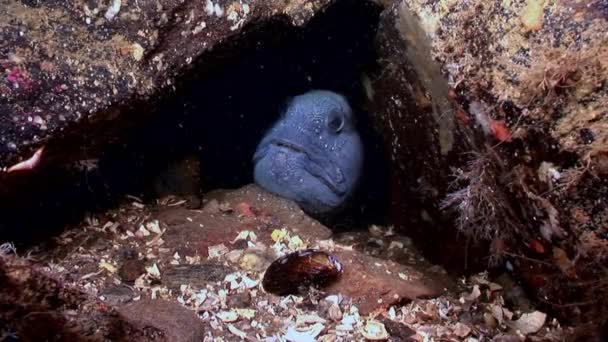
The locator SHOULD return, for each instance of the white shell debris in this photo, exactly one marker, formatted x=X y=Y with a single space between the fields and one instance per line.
x=107 y=266
x=374 y=331
x=217 y=251
x=211 y=9
x=154 y=227
x=302 y=320
x=349 y=320
x=143 y=231
x=335 y=313
x=304 y=334
x=153 y=271
x=335 y=299
x=137 y=51
x=240 y=281
x=530 y=323
x=246 y=313
x=201 y=26
x=243 y=235
x=236 y=331
x=113 y=9
x=228 y=316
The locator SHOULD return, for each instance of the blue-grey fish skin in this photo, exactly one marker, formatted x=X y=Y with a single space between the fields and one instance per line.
x=313 y=154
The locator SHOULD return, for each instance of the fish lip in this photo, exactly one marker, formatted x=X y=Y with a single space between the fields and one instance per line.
x=289 y=145
x=325 y=179
x=263 y=150
x=259 y=154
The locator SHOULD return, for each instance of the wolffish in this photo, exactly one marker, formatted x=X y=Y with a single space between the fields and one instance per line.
x=313 y=154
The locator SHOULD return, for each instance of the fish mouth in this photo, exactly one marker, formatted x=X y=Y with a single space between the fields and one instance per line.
x=263 y=149
x=288 y=145
x=314 y=166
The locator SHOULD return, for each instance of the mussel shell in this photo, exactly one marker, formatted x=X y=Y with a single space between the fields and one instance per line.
x=302 y=269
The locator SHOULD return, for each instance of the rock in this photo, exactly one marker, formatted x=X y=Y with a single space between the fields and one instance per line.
x=109 y=81
x=490 y=320
x=462 y=330
x=281 y=210
x=398 y=331
x=374 y=331
x=164 y=321
x=372 y=283
x=44 y=89
x=514 y=294
x=529 y=323
x=38 y=293
x=334 y=312
x=132 y=269
x=460 y=110
x=239 y=300
x=70 y=77
x=115 y=295
x=254 y=261
x=197 y=276
x=193 y=232
x=402 y=95
x=507 y=338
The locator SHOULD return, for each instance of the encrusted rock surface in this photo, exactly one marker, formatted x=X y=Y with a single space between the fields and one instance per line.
x=496 y=116
x=493 y=115
x=213 y=265
x=161 y=320
x=68 y=67
x=370 y=282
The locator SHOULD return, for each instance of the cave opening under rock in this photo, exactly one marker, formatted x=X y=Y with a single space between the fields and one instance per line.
x=428 y=128
x=201 y=136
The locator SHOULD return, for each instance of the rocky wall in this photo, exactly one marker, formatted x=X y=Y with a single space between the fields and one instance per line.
x=495 y=115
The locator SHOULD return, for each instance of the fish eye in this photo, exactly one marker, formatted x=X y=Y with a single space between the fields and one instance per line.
x=335 y=122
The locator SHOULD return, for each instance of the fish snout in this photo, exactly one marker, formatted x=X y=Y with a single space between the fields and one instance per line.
x=317 y=164
x=304 y=173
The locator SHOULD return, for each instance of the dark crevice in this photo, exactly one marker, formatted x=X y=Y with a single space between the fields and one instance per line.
x=216 y=115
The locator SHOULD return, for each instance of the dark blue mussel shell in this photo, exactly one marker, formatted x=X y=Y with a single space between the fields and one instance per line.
x=300 y=270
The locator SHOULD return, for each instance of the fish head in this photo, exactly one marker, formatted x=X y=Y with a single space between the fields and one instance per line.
x=313 y=154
